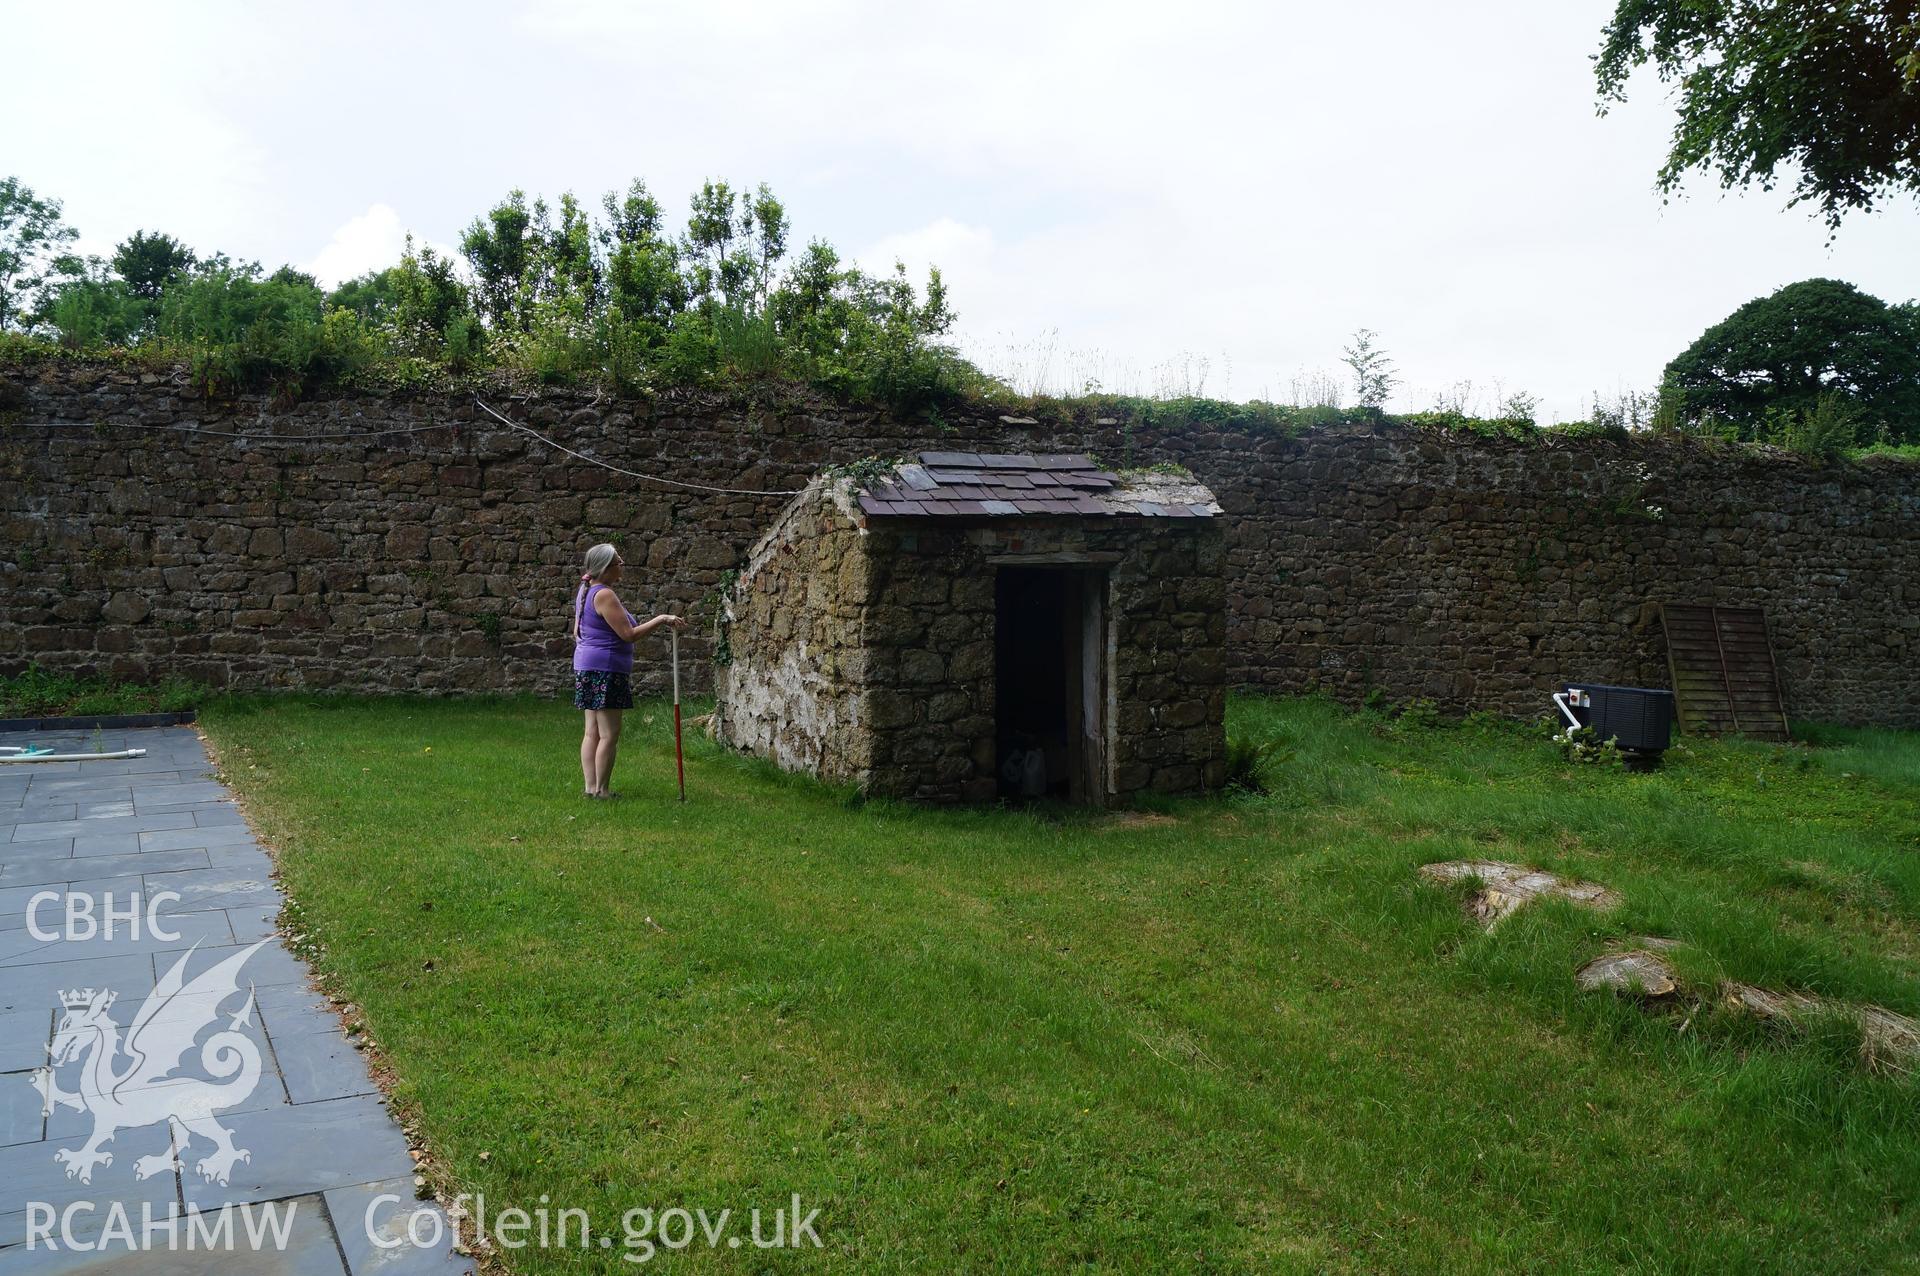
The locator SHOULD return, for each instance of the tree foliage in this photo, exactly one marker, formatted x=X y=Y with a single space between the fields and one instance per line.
x=33 y=241
x=93 y=307
x=523 y=263
x=421 y=307
x=1827 y=90
x=1809 y=357
x=241 y=329
x=550 y=290
x=148 y=263
x=1373 y=371
x=621 y=297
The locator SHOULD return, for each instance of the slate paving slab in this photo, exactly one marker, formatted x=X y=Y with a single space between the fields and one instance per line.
x=251 y=921
x=203 y=888
x=69 y=1128
x=41 y=770
x=21 y=1119
x=38 y=988
x=318 y=1136
x=51 y=848
x=246 y=855
x=88 y=845
x=309 y=1250
x=321 y=1065
x=333 y=1143
x=31 y=1175
x=123 y=768
x=100 y=809
x=378 y=1234
x=154 y=823
x=14 y=901
x=45 y=905
x=192 y=836
x=41 y=872
x=272 y=964
x=23 y=1039
x=27 y=810
x=282 y=1004
x=186 y=794
x=22 y=947
x=76 y=783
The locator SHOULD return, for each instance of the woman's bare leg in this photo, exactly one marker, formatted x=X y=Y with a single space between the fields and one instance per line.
x=608 y=747
x=590 y=752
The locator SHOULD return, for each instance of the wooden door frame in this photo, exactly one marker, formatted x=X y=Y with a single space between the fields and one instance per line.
x=1088 y=680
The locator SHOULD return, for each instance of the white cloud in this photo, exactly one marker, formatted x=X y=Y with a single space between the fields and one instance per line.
x=963 y=253
x=372 y=241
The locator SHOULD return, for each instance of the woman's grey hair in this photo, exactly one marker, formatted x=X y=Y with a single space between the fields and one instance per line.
x=599 y=558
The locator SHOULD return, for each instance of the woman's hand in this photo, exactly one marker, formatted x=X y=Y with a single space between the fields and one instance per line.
x=607 y=603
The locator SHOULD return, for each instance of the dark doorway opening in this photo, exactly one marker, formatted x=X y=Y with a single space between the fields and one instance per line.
x=1050 y=682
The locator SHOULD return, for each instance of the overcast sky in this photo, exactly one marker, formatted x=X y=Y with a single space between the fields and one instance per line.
x=1161 y=197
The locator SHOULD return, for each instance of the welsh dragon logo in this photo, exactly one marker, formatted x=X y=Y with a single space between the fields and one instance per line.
x=147 y=1088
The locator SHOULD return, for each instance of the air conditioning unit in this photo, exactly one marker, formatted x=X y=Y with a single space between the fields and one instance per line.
x=1639 y=720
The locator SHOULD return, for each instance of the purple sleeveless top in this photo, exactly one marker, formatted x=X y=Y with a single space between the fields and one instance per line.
x=599 y=649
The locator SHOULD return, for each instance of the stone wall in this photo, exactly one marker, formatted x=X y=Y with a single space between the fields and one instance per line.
x=1481 y=573
x=870 y=658
x=793 y=667
x=435 y=550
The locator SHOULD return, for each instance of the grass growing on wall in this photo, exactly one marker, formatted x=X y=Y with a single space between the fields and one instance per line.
x=1891 y=451
x=43 y=693
x=1223 y=1035
x=966 y=390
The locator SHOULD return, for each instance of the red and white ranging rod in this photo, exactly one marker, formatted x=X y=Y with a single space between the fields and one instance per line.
x=679 y=758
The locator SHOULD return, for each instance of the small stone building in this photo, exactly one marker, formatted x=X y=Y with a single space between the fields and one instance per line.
x=973 y=626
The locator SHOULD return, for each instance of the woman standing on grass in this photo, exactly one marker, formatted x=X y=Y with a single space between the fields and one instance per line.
x=603 y=634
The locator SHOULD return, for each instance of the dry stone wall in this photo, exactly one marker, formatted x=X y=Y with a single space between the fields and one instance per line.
x=793 y=666
x=435 y=550
x=929 y=673
x=871 y=658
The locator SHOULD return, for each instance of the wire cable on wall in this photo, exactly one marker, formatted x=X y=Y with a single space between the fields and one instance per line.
x=650 y=478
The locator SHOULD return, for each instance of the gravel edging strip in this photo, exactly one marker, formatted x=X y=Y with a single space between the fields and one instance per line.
x=100 y=722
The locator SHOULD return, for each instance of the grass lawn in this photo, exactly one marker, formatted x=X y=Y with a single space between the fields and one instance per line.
x=1230 y=1035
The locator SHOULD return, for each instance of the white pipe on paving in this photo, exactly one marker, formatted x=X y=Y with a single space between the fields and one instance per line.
x=11 y=753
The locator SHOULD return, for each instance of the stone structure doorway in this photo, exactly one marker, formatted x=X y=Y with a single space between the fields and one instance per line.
x=1051 y=656
x=909 y=633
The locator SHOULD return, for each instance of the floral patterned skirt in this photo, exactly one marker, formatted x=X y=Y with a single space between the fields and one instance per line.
x=599 y=689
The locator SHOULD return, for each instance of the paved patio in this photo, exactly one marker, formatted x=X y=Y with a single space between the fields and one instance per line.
x=318 y=1138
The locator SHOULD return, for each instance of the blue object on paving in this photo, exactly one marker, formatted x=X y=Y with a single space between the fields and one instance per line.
x=268 y=1104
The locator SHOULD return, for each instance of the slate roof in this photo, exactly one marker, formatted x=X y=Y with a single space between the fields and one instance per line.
x=996 y=484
